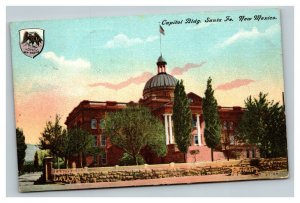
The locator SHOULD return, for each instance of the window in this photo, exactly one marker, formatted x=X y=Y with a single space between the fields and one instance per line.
x=194 y=122
x=253 y=152
x=248 y=153
x=102 y=124
x=224 y=125
x=103 y=140
x=93 y=124
x=231 y=125
x=103 y=158
x=231 y=138
x=95 y=160
x=196 y=141
x=95 y=140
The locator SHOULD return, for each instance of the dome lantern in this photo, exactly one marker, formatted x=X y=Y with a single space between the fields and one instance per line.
x=161 y=85
x=161 y=65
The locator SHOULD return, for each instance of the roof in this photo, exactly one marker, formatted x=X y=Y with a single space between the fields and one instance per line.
x=161 y=59
x=161 y=80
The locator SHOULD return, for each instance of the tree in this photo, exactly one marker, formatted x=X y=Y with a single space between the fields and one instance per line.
x=226 y=141
x=21 y=149
x=134 y=128
x=36 y=161
x=182 y=119
x=81 y=142
x=127 y=160
x=263 y=124
x=212 y=131
x=66 y=147
x=52 y=138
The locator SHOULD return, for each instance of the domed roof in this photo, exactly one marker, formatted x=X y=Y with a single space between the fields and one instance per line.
x=161 y=59
x=161 y=80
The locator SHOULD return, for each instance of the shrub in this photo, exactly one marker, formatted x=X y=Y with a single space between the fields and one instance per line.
x=29 y=167
x=128 y=160
x=61 y=164
x=254 y=162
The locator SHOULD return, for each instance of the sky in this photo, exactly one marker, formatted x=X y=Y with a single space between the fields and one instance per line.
x=111 y=59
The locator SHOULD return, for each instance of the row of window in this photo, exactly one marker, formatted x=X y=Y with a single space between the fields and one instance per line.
x=231 y=139
x=94 y=123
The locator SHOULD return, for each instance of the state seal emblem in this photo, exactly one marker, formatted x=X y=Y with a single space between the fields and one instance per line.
x=31 y=41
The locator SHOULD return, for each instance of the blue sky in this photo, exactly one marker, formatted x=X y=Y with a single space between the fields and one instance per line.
x=243 y=57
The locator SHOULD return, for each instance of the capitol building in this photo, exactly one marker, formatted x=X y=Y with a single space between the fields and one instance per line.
x=158 y=95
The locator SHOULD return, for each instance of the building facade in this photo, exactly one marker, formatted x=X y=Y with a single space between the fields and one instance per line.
x=158 y=95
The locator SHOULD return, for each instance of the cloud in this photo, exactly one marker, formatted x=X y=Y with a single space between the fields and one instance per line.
x=41 y=87
x=244 y=34
x=234 y=84
x=144 y=77
x=272 y=29
x=122 y=40
x=185 y=68
x=61 y=62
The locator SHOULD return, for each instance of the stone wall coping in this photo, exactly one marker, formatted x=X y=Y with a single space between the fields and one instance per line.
x=170 y=166
x=146 y=167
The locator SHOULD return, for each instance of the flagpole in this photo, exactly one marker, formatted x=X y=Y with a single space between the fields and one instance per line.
x=160 y=42
x=159 y=38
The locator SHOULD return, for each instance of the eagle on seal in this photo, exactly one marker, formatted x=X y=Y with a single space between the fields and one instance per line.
x=31 y=38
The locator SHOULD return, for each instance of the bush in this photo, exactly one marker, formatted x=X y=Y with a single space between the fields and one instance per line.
x=127 y=160
x=61 y=163
x=30 y=168
x=254 y=162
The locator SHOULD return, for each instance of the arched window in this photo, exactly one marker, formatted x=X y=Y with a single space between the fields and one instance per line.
x=248 y=153
x=196 y=141
x=194 y=121
x=102 y=124
x=94 y=124
x=103 y=140
x=231 y=138
x=103 y=159
x=95 y=140
x=253 y=153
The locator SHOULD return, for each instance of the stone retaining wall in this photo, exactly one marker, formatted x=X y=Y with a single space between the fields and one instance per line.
x=125 y=173
x=113 y=176
x=273 y=164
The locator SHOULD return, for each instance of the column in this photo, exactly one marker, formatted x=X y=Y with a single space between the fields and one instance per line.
x=166 y=129
x=170 y=127
x=198 y=130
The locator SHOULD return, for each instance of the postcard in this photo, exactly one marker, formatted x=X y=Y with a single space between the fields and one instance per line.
x=149 y=100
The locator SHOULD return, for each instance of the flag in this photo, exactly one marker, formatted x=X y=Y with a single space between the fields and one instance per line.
x=161 y=30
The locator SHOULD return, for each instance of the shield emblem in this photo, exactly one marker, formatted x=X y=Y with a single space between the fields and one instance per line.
x=31 y=41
